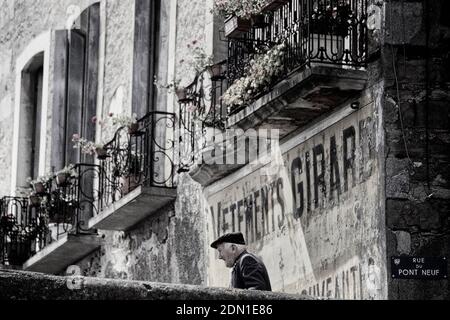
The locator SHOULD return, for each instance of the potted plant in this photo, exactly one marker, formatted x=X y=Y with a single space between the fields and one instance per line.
x=40 y=184
x=89 y=147
x=259 y=75
x=215 y=71
x=124 y=120
x=64 y=175
x=35 y=200
x=174 y=87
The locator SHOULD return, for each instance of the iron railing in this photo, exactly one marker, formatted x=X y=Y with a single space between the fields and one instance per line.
x=202 y=114
x=139 y=155
x=63 y=206
x=23 y=230
x=70 y=204
x=311 y=31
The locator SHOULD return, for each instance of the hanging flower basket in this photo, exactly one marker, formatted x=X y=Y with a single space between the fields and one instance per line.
x=235 y=26
x=274 y=5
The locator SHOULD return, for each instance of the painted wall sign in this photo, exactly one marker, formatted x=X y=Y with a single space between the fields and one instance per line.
x=315 y=220
x=429 y=268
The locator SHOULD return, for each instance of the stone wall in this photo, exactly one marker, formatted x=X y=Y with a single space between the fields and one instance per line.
x=416 y=65
x=34 y=286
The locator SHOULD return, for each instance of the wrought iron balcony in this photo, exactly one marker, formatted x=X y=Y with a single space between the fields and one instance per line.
x=56 y=225
x=294 y=64
x=137 y=172
x=64 y=208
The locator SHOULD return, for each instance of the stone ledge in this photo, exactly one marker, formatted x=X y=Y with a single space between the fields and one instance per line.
x=300 y=85
x=15 y=285
x=133 y=208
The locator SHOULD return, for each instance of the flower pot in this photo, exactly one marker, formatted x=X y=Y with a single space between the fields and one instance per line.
x=133 y=128
x=39 y=187
x=181 y=94
x=35 y=201
x=274 y=5
x=215 y=72
x=101 y=153
x=235 y=27
x=62 y=179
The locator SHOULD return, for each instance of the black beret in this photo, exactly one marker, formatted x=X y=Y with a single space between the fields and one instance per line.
x=234 y=237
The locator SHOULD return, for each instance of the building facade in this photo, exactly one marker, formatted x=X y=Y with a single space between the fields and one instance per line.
x=317 y=128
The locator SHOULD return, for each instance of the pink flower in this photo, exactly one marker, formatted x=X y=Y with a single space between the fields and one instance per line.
x=94 y=119
x=76 y=137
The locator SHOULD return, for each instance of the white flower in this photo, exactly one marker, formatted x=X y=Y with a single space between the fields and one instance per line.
x=259 y=74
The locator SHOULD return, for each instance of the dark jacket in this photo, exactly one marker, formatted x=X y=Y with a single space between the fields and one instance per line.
x=249 y=272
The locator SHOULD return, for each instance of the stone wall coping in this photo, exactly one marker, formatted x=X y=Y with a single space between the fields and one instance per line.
x=21 y=285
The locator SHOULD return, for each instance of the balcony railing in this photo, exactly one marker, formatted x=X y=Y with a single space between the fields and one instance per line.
x=23 y=230
x=202 y=114
x=322 y=31
x=139 y=155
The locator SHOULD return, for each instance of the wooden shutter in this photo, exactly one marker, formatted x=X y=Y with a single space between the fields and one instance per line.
x=74 y=92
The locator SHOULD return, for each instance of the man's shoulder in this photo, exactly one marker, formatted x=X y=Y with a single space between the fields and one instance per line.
x=248 y=259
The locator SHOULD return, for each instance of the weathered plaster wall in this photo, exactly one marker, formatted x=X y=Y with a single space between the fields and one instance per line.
x=416 y=57
x=118 y=59
x=317 y=219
